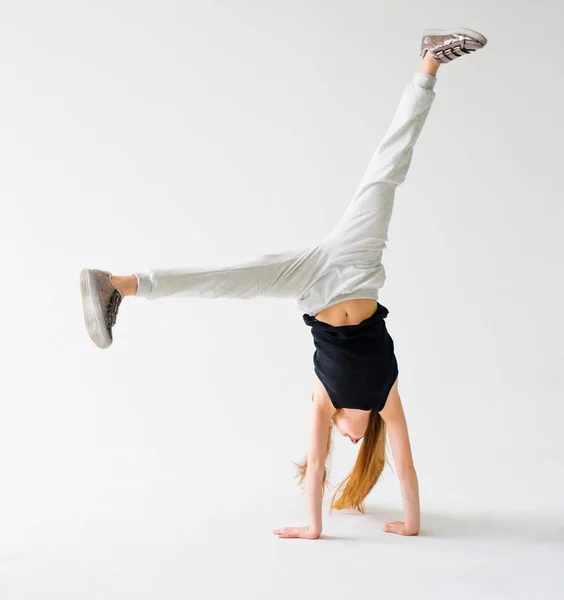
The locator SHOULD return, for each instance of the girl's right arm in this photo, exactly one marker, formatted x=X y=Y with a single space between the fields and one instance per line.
x=316 y=457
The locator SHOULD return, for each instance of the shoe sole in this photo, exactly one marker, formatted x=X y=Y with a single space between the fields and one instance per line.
x=462 y=30
x=93 y=315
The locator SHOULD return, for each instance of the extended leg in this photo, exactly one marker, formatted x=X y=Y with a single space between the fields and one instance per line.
x=283 y=275
x=362 y=232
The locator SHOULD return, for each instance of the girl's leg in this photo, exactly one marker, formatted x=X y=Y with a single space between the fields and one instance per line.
x=282 y=275
x=355 y=245
x=361 y=234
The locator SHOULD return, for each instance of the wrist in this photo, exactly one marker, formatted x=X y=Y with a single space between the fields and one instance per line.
x=315 y=529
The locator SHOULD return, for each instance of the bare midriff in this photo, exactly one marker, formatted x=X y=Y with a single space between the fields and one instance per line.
x=349 y=312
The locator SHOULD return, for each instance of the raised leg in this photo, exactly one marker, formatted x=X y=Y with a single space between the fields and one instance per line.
x=362 y=232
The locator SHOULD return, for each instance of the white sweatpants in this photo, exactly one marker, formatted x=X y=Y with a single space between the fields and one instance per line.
x=347 y=264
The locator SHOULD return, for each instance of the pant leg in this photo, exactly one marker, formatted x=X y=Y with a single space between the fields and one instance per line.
x=361 y=234
x=283 y=275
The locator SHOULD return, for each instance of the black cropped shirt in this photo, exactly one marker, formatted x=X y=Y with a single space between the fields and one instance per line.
x=356 y=363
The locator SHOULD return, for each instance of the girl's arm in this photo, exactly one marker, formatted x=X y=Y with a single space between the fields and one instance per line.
x=396 y=424
x=316 y=456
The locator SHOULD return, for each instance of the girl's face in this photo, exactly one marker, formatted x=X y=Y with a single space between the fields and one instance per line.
x=353 y=428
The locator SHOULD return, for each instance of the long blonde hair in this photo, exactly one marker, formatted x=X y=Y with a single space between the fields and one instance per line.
x=368 y=467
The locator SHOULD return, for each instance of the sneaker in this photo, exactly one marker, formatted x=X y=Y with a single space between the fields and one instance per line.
x=100 y=304
x=446 y=45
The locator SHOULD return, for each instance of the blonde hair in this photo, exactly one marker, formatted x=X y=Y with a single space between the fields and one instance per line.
x=366 y=472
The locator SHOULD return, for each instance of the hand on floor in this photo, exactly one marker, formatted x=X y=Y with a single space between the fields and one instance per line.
x=305 y=533
x=399 y=528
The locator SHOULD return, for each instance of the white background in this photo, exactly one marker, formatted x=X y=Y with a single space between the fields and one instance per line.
x=167 y=134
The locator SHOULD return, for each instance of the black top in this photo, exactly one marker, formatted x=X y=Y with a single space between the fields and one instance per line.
x=355 y=363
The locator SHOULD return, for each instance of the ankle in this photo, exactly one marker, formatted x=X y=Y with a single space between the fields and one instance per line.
x=126 y=284
x=430 y=64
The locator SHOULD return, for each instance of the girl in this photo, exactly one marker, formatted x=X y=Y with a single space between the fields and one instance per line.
x=335 y=285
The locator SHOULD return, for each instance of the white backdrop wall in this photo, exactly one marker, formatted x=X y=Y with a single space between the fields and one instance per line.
x=169 y=134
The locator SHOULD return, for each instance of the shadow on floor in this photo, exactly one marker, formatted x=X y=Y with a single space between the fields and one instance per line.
x=510 y=526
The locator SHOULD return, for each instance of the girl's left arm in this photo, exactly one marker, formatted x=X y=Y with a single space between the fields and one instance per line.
x=409 y=483
x=396 y=425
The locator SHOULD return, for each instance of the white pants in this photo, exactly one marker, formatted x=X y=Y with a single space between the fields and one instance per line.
x=347 y=264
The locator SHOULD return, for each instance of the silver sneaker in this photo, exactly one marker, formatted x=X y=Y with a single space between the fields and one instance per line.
x=446 y=45
x=100 y=304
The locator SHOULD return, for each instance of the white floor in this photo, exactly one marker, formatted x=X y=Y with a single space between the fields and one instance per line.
x=175 y=134
x=135 y=549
